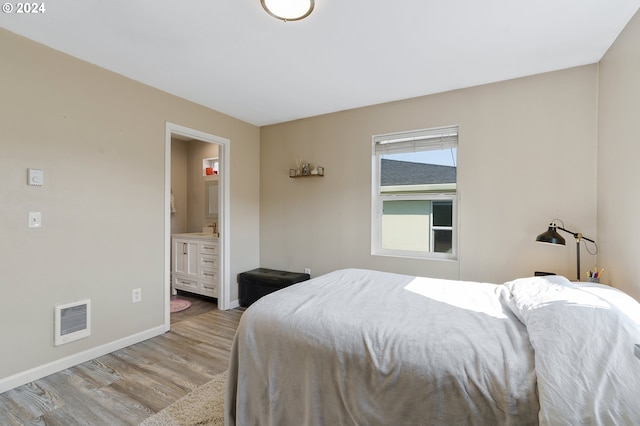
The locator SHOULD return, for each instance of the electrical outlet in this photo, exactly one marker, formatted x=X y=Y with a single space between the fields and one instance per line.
x=307 y=271
x=136 y=295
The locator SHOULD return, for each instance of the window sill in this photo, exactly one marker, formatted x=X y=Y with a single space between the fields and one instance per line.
x=427 y=256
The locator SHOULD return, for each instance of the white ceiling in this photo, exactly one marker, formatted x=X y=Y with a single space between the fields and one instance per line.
x=230 y=55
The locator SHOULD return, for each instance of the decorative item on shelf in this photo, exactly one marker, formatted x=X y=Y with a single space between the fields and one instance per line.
x=551 y=236
x=305 y=170
x=298 y=166
x=210 y=166
x=594 y=276
x=318 y=171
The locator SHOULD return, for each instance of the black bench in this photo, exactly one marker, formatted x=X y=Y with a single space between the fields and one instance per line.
x=254 y=284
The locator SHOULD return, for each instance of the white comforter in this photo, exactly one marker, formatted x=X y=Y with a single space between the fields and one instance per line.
x=359 y=347
x=584 y=337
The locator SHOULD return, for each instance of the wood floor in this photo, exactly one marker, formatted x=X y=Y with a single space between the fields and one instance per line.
x=129 y=385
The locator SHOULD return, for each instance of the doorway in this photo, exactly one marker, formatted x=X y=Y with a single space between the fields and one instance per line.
x=175 y=131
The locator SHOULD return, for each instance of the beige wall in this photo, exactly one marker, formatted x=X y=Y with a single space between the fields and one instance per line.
x=187 y=184
x=100 y=139
x=618 y=154
x=527 y=154
x=198 y=150
x=179 y=185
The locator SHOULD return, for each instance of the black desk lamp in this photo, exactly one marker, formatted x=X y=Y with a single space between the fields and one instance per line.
x=551 y=236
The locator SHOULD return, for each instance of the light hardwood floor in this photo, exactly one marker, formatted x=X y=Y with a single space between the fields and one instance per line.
x=129 y=385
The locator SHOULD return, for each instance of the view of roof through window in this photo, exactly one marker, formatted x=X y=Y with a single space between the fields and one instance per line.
x=415 y=168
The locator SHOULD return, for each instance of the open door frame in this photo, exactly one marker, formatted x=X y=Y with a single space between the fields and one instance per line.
x=171 y=129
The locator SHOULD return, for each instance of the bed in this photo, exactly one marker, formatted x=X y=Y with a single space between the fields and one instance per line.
x=362 y=347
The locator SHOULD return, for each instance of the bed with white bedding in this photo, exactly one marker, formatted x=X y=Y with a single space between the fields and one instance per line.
x=361 y=347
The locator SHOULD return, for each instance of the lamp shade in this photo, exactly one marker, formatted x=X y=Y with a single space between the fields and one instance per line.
x=551 y=236
x=288 y=10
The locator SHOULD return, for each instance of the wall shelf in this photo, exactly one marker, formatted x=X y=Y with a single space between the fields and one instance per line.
x=295 y=173
x=306 y=176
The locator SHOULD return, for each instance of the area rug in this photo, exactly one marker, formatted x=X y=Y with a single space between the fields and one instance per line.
x=202 y=406
x=178 y=305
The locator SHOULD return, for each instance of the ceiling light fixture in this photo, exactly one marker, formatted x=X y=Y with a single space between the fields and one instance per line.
x=288 y=10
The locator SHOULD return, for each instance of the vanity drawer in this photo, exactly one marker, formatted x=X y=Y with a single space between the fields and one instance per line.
x=209 y=281
x=209 y=247
x=208 y=261
x=209 y=289
x=209 y=275
x=185 y=284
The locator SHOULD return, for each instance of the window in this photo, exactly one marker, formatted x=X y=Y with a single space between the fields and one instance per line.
x=414 y=194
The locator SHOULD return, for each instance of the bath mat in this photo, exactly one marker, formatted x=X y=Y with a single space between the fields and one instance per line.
x=178 y=305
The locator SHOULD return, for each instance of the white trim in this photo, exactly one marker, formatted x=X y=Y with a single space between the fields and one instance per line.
x=432 y=187
x=224 y=216
x=41 y=371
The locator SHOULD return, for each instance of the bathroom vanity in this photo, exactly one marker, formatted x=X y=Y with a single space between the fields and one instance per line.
x=194 y=264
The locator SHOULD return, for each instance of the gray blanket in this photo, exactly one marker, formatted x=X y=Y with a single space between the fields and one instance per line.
x=359 y=347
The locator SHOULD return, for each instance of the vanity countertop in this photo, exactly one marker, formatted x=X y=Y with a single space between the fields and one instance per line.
x=198 y=235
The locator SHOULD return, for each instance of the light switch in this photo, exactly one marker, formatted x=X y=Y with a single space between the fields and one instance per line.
x=35 y=219
x=36 y=177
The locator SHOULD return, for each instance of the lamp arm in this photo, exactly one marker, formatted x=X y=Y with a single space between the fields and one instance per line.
x=552 y=236
x=578 y=236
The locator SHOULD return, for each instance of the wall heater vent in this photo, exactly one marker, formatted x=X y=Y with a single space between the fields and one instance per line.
x=72 y=321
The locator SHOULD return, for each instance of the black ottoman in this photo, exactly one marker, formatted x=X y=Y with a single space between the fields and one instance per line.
x=261 y=281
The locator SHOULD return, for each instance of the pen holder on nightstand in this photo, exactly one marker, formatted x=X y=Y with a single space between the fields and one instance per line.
x=594 y=276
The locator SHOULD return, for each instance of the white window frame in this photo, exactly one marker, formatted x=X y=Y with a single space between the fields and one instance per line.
x=418 y=140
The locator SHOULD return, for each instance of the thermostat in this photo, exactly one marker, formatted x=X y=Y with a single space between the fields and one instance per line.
x=36 y=177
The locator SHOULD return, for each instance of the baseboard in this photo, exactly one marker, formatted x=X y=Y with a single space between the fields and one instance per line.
x=41 y=371
x=234 y=304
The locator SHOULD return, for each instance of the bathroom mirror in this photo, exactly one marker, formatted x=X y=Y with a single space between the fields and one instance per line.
x=211 y=199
